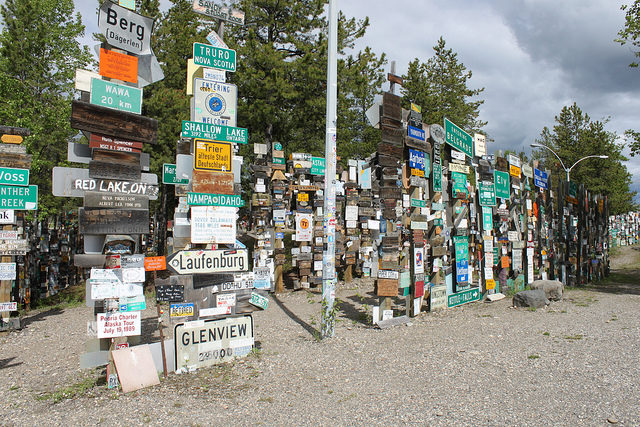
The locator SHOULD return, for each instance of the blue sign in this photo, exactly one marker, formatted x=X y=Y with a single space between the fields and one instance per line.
x=279 y=235
x=416 y=160
x=416 y=133
x=540 y=178
x=462 y=271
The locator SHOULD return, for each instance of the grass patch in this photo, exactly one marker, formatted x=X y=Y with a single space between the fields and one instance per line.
x=533 y=356
x=532 y=309
x=78 y=389
x=266 y=399
x=546 y=334
x=70 y=297
x=574 y=337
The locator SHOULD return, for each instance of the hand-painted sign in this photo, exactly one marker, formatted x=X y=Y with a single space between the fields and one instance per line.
x=116 y=96
x=457 y=138
x=215 y=103
x=463 y=297
x=212 y=155
x=208 y=261
x=93 y=199
x=214 y=132
x=540 y=179
x=14 y=247
x=111 y=325
x=487 y=191
x=13 y=176
x=214 y=57
x=169 y=293
x=502 y=184
x=206 y=199
x=214 y=10
x=74 y=182
x=119 y=66
x=125 y=29
x=113 y=221
x=204 y=343
x=19 y=197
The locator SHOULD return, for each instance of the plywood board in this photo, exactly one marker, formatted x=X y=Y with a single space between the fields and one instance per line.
x=135 y=368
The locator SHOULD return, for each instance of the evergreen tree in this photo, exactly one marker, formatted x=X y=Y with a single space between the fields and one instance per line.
x=631 y=34
x=439 y=86
x=575 y=136
x=39 y=53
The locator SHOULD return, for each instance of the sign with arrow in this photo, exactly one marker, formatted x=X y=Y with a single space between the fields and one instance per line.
x=463 y=297
x=208 y=261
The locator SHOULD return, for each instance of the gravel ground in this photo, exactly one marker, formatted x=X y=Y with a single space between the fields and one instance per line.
x=573 y=363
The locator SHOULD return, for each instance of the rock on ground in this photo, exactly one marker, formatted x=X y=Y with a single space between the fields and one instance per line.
x=534 y=298
x=552 y=288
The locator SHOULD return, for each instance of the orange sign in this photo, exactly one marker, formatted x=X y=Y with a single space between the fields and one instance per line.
x=118 y=66
x=490 y=284
x=504 y=262
x=11 y=139
x=155 y=263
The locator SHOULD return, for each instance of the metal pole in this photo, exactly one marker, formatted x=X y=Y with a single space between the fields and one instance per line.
x=329 y=256
x=568 y=171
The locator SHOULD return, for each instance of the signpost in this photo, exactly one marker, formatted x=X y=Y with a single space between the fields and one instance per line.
x=502 y=184
x=214 y=132
x=74 y=182
x=214 y=57
x=457 y=138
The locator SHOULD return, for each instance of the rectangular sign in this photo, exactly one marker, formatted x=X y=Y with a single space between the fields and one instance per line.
x=502 y=184
x=463 y=297
x=129 y=304
x=13 y=247
x=8 y=306
x=304 y=227
x=94 y=199
x=208 y=261
x=169 y=175
x=487 y=192
x=212 y=155
x=116 y=96
x=540 y=179
x=19 y=197
x=8 y=234
x=8 y=271
x=213 y=182
x=125 y=29
x=119 y=66
x=259 y=300
x=214 y=57
x=217 y=11
x=416 y=162
x=317 y=166
x=215 y=103
x=214 y=132
x=437 y=177
x=7 y=216
x=416 y=133
x=167 y=293
x=181 y=310
x=213 y=224
x=205 y=343
x=14 y=176
x=74 y=182
x=113 y=221
x=457 y=138
x=206 y=199
x=514 y=170
x=155 y=263
x=117 y=324
x=97 y=141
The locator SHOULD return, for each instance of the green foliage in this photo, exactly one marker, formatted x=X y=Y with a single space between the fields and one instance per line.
x=575 y=136
x=39 y=53
x=631 y=31
x=439 y=86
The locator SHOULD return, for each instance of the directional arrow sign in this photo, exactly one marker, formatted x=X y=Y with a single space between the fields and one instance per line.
x=463 y=297
x=208 y=261
x=214 y=132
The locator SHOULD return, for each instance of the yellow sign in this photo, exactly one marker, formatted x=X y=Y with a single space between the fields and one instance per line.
x=303 y=197
x=212 y=155
x=490 y=284
x=11 y=139
x=416 y=108
x=417 y=172
x=514 y=170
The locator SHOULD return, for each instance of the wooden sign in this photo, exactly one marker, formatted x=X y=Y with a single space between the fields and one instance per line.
x=12 y=130
x=12 y=160
x=93 y=199
x=387 y=287
x=13 y=247
x=118 y=66
x=212 y=182
x=214 y=280
x=395 y=79
x=115 y=165
x=113 y=221
x=212 y=155
x=114 y=144
x=74 y=182
x=11 y=139
x=106 y=121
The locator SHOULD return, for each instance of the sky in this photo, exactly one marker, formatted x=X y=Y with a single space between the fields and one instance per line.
x=532 y=57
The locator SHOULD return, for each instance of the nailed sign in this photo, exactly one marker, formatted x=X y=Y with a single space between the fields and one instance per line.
x=106 y=121
x=13 y=247
x=457 y=138
x=206 y=199
x=502 y=184
x=214 y=10
x=119 y=66
x=214 y=102
x=125 y=29
x=212 y=155
x=115 y=201
x=116 y=96
x=113 y=221
x=74 y=182
x=208 y=261
x=214 y=57
x=18 y=197
x=214 y=132
x=213 y=224
x=463 y=297
x=487 y=192
x=13 y=176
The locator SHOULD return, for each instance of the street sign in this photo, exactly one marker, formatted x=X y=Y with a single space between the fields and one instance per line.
x=74 y=182
x=119 y=66
x=116 y=96
x=125 y=29
x=214 y=102
x=214 y=10
x=457 y=138
x=317 y=166
x=206 y=199
x=214 y=57
x=169 y=175
x=208 y=261
x=540 y=179
x=19 y=197
x=212 y=155
x=437 y=177
x=463 y=297
x=502 y=184
x=487 y=191
x=214 y=132
x=107 y=121
x=13 y=176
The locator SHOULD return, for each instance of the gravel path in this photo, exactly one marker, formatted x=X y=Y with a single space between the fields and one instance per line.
x=573 y=363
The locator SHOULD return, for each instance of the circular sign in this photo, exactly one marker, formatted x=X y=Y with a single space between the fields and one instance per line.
x=437 y=133
x=277 y=146
x=304 y=223
x=215 y=104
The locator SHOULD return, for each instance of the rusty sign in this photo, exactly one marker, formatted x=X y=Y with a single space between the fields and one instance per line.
x=212 y=182
x=387 y=287
x=113 y=221
x=107 y=121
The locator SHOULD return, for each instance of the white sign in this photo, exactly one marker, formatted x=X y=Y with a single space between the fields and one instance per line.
x=226 y=300
x=387 y=274
x=209 y=261
x=7 y=216
x=8 y=271
x=418 y=260
x=213 y=224
x=262 y=277
x=512 y=236
x=8 y=234
x=118 y=324
x=125 y=29
x=215 y=40
x=133 y=275
x=214 y=102
x=304 y=227
x=8 y=306
x=480 y=142
x=215 y=311
x=351 y=213
x=514 y=160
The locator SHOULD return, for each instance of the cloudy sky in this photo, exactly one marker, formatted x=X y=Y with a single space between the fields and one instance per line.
x=532 y=57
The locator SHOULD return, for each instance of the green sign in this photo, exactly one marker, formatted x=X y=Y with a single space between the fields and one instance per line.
x=459 y=182
x=206 y=199
x=133 y=303
x=438 y=222
x=502 y=184
x=317 y=166
x=573 y=190
x=18 y=197
x=462 y=247
x=457 y=138
x=277 y=146
x=116 y=96
x=487 y=191
x=12 y=176
x=259 y=300
x=496 y=255
x=278 y=161
x=214 y=57
x=169 y=175
x=437 y=177
x=463 y=297
x=415 y=203
x=487 y=218
x=214 y=132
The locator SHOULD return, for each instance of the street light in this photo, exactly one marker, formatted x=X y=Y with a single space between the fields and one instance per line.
x=599 y=156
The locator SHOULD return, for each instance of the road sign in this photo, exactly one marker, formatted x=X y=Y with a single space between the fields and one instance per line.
x=457 y=138
x=502 y=184
x=116 y=96
x=416 y=203
x=169 y=175
x=214 y=57
x=11 y=139
x=119 y=66
x=214 y=10
x=437 y=177
x=19 y=197
x=212 y=155
x=487 y=191
x=540 y=179
x=416 y=133
x=214 y=102
x=214 y=132
x=317 y=166
x=206 y=199
x=12 y=176
x=208 y=261
x=463 y=297
x=125 y=29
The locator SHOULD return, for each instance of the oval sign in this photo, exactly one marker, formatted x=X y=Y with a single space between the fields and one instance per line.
x=437 y=133
x=11 y=139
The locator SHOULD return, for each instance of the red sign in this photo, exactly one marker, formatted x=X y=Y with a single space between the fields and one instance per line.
x=101 y=139
x=155 y=263
x=113 y=147
x=118 y=66
x=123 y=345
x=419 y=289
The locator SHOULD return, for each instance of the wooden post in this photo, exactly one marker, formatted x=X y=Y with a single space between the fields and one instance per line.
x=348 y=274
x=160 y=327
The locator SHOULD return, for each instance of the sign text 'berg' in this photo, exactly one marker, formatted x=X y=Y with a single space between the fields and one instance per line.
x=125 y=29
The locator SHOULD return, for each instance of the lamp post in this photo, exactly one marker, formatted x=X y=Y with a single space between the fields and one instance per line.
x=568 y=171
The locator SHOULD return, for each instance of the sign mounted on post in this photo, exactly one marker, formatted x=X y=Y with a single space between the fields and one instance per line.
x=214 y=10
x=487 y=191
x=457 y=138
x=214 y=132
x=317 y=166
x=212 y=155
x=119 y=66
x=502 y=184
x=206 y=199
x=463 y=297
x=107 y=121
x=125 y=29
x=540 y=179
x=19 y=197
x=214 y=102
x=214 y=57
x=208 y=261
x=169 y=175
x=116 y=96
x=213 y=224
x=13 y=176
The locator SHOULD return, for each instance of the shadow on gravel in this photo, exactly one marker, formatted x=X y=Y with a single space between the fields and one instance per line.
x=27 y=320
x=619 y=282
x=359 y=310
x=6 y=363
x=312 y=331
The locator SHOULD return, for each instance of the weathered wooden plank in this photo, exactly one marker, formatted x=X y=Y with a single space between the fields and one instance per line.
x=11 y=130
x=107 y=121
x=113 y=221
x=10 y=160
x=115 y=201
x=204 y=181
x=115 y=165
x=387 y=287
x=391 y=106
x=392 y=135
